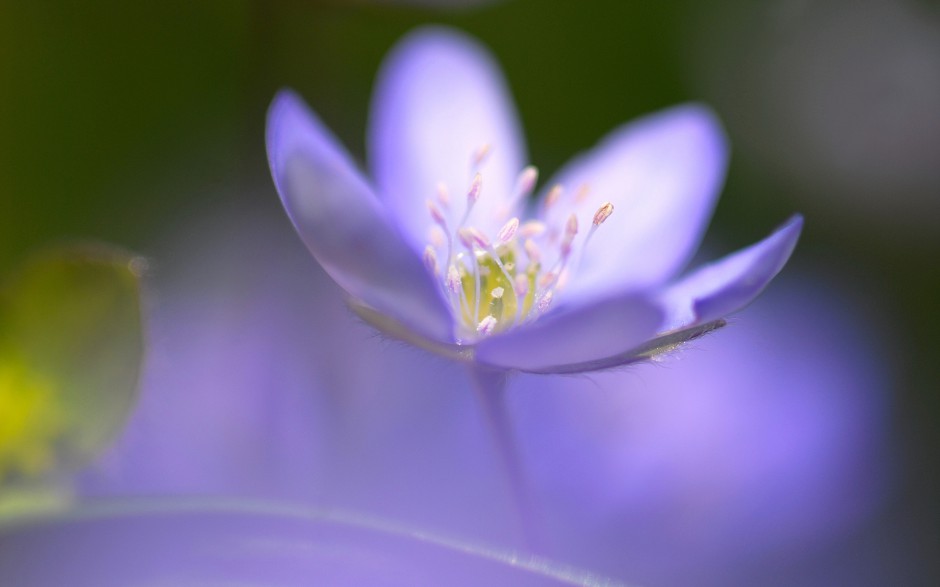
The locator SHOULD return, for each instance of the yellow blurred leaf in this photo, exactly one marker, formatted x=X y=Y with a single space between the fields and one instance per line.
x=70 y=353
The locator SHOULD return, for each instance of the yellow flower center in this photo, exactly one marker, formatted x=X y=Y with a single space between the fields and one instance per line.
x=496 y=283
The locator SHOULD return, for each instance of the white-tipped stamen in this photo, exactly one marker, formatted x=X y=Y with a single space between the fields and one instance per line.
x=582 y=194
x=456 y=282
x=491 y=265
x=532 y=250
x=603 y=213
x=466 y=238
x=443 y=194
x=525 y=183
x=531 y=228
x=453 y=279
x=473 y=194
x=430 y=260
x=436 y=214
x=547 y=279
x=487 y=326
x=571 y=230
x=571 y=226
x=479 y=239
x=601 y=216
x=437 y=236
x=508 y=231
x=480 y=156
x=553 y=196
x=503 y=268
x=544 y=302
x=476 y=287
x=563 y=277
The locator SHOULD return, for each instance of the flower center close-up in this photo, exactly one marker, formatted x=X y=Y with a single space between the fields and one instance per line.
x=496 y=281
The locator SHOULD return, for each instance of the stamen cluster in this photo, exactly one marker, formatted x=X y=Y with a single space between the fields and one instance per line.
x=495 y=283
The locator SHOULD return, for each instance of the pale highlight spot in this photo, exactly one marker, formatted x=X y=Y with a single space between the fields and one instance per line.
x=532 y=228
x=430 y=259
x=486 y=326
x=497 y=292
x=436 y=213
x=532 y=250
x=465 y=238
x=553 y=196
x=544 y=302
x=547 y=279
x=481 y=155
x=571 y=230
x=563 y=279
x=478 y=238
x=582 y=194
x=453 y=279
x=443 y=194
x=437 y=236
x=571 y=226
x=526 y=181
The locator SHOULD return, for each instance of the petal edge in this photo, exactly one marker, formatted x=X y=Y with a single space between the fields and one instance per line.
x=573 y=335
x=345 y=228
x=729 y=284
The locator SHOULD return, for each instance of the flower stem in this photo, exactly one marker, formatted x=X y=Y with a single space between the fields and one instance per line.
x=490 y=385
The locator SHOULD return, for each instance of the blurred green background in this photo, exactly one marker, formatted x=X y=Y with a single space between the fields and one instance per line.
x=120 y=120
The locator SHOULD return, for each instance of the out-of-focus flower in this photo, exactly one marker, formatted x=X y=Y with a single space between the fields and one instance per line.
x=736 y=462
x=259 y=383
x=725 y=463
x=441 y=251
x=228 y=399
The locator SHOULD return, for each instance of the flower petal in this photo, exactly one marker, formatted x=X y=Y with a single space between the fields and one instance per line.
x=574 y=335
x=342 y=223
x=662 y=174
x=440 y=97
x=728 y=285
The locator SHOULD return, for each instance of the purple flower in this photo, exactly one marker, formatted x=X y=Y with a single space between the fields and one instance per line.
x=753 y=458
x=442 y=248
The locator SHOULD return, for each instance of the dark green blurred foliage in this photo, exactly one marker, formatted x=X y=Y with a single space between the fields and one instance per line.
x=108 y=109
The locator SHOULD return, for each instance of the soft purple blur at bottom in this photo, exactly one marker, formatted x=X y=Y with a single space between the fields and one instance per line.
x=179 y=545
x=744 y=456
x=753 y=456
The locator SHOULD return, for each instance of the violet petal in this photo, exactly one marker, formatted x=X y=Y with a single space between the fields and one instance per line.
x=573 y=334
x=727 y=285
x=342 y=223
x=440 y=97
x=662 y=174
